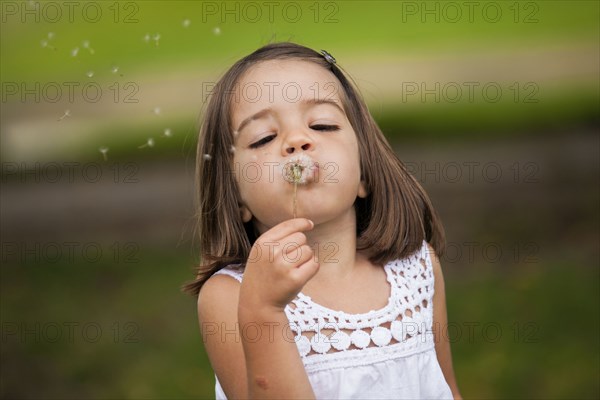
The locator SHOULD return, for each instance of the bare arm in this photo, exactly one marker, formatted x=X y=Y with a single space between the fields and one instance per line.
x=440 y=323
x=253 y=352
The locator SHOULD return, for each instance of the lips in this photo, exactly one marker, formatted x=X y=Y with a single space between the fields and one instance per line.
x=300 y=169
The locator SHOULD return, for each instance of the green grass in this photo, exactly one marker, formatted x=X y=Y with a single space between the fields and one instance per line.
x=342 y=27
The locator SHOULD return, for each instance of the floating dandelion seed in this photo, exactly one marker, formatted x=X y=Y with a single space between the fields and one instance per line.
x=232 y=149
x=65 y=115
x=45 y=44
x=156 y=38
x=74 y=52
x=186 y=23
x=167 y=132
x=149 y=143
x=206 y=157
x=156 y=110
x=50 y=35
x=147 y=38
x=114 y=69
x=90 y=74
x=217 y=31
x=103 y=150
x=86 y=45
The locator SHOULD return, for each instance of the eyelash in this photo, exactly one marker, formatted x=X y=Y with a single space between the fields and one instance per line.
x=267 y=139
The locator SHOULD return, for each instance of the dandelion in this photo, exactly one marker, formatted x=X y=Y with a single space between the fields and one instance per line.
x=216 y=31
x=65 y=115
x=86 y=45
x=90 y=74
x=149 y=143
x=156 y=110
x=74 y=52
x=103 y=150
x=296 y=171
x=186 y=23
x=167 y=132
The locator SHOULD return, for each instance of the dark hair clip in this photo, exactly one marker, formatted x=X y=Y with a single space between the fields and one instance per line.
x=328 y=57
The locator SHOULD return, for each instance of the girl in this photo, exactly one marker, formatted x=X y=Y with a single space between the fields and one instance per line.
x=332 y=244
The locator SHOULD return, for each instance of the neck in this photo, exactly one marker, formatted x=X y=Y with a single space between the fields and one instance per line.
x=334 y=244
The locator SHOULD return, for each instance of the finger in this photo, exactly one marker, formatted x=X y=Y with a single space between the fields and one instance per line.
x=286 y=228
x=305 y=271
x=297 y=255
x=297 y=238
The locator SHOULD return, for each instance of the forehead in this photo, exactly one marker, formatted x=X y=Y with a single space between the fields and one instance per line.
x=282 y=84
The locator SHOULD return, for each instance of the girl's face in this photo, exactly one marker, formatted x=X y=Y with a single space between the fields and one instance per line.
x=286 y=113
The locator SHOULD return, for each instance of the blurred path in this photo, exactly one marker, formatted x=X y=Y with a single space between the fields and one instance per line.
x=524 y=190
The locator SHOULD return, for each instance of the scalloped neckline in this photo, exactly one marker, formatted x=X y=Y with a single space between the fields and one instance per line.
x=382 y=310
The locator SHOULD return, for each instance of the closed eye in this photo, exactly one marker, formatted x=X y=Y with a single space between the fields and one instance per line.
x=262 y=142
x=326 y=128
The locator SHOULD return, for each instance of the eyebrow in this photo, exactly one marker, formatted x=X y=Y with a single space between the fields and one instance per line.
x=307 y=102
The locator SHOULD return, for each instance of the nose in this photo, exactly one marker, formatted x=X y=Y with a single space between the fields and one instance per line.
x=297 y=141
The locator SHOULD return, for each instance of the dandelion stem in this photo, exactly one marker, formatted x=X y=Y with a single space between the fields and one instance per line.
x=295 y=191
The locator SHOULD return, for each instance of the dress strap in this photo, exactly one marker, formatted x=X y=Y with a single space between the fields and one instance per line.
x=235 y=271
x=426 y=255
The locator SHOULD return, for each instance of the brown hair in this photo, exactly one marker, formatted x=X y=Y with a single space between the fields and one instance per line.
x=392 y=221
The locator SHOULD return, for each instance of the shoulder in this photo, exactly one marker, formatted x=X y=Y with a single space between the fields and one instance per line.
x=219 y=296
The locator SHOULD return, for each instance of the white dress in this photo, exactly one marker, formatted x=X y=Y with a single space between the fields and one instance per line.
x=383 y=354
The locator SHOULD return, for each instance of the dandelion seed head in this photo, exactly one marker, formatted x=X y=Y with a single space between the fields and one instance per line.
x=186 y=23
x=217 y=31
x=297 y=169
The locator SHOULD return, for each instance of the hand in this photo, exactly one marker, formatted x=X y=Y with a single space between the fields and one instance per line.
x=279 y=265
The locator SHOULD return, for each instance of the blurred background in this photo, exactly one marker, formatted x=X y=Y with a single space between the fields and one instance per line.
x=493 y=105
